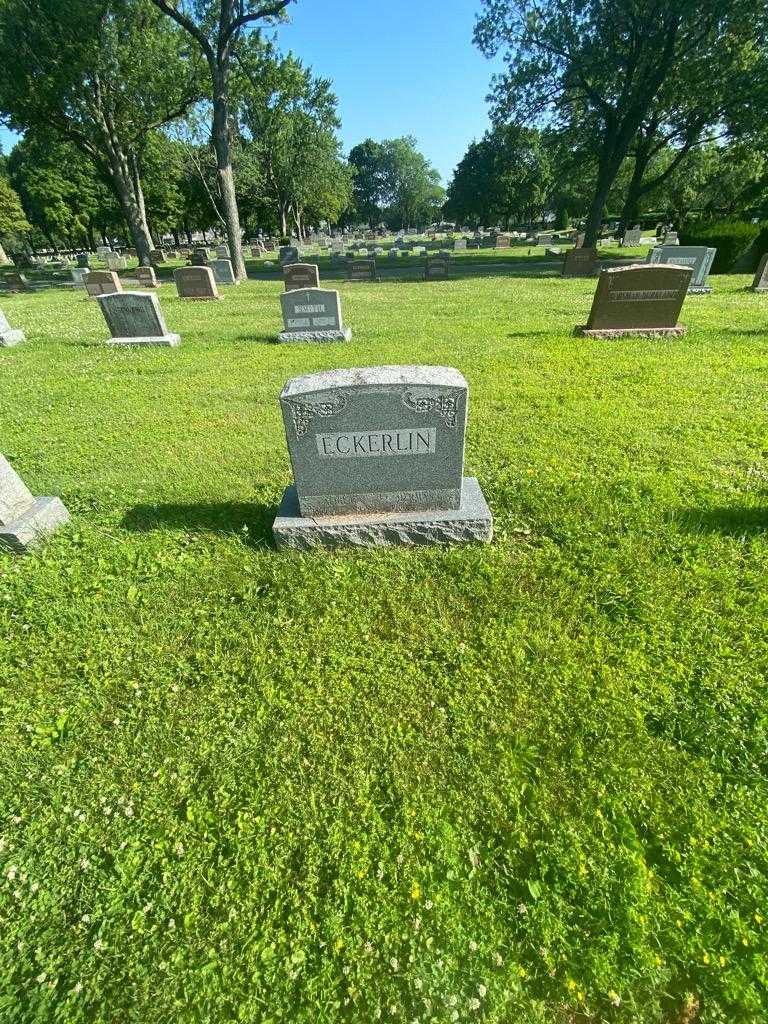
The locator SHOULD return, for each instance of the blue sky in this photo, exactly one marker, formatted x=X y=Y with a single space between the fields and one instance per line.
x=399 y=67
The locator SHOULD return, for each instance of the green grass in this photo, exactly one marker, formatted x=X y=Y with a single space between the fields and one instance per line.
x=515 y=783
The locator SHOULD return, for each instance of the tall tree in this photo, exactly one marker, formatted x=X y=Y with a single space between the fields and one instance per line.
x=606 y=62
x=369 y=184
x=216 y=26
x=12 y=219
x=290 y=118
x=102 y=74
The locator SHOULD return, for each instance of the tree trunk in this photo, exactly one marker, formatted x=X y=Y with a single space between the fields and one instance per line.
x=608 y=168
x=128 y=191
x=224 y=172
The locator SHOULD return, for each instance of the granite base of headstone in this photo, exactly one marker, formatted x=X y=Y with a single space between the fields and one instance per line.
x=638 y=300
x=8 y=336
x=24 y=519
x=378 y=460
x=312 y=314
x=135 y=318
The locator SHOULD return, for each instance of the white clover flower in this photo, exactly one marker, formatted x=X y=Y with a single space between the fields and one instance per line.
x=171 y=924
x=78 y=988
x=368 y=948
x=179 y=849
x=98 y=945
x=428 y=904
x=482 y=991
x=41 y=978
x=11 y=873
x=474 y=1004
x=452 y=1000
x=498 y=959
x=84 y=864
x=393 y=963
x=522 y=908
x=472 y=945
x=16 y=819
x=418 y=984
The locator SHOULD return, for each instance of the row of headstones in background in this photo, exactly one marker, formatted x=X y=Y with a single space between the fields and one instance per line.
x=632 y=236
x=24 y=519
x=378 y=459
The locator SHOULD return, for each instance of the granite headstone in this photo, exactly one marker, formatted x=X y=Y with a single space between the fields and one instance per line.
x=698 y=257
x=312 y=314
x=639 y=299
x=301 y=275
x=24 y=519
x=102 y=282
x=195 y=283
x=135 y=318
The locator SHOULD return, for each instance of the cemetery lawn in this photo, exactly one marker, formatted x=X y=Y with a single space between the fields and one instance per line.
x=519 y=783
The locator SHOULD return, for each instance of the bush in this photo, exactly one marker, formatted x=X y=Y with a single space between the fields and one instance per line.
x=734 y=240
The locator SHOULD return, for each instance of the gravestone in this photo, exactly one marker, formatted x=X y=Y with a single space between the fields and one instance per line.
x=9 y=337
x=134 y=318
x=288 y=254
x=503 y=241
x=639 y=299
x=362 y=270
x=157 y=256
x=257 y=251
x=222 y=252
x=145 y=276
x=312 y=314
x=393 y=253
x=631 y=237
x=102 y=282
x=460 y=243
x=78 y=275
x=199 y=258
x=222 y=271
x=115 y=262
x=24 y=519
x=580 y=262
x=378 y=459
x=195 y=283
x=670 y=238
x=301 y=275
x=83 y=260
x=760 y=281
x=16 y=282
x=436 y=268
x=698 y=257
x=545 y=239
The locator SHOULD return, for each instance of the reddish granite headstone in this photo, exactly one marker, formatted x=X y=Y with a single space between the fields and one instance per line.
x=639 y=299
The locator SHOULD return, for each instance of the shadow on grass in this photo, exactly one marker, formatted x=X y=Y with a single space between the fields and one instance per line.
x=252 y=522
x=729 y=520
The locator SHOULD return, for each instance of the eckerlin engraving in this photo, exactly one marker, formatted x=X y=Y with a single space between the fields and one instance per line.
x=364 y=444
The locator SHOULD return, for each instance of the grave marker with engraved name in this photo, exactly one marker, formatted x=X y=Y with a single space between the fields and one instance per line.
x=312 y=314
x=301 y=275
x=698 y=257
x=134 y=318
x=639 y=299
x=195 y=283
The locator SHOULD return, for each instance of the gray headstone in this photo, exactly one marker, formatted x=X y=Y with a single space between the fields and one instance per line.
x=222 y=271
x=288 y=254
x=638 y=299
x=631 y=237
x=436 y=268
x=200 y=258
x=195 y=283
x=460 y=243
x=378 y=458
x=8 y=336
x=503 y=241
x=361 y=270
x=134 y=318
x=83 y=260
x=760 y=280
x=301 y=275
x=698 y=257
x=312 y=314
x=383 y=438
x=102 y=282
x=157 y=256
x=222 y=252
x=24 y=519
x=115 y=262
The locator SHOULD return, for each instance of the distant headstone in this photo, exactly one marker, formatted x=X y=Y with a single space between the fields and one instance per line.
x=115 y=262
x=288 y=254
x=222 y=271
x=134 y=318
x=200 y=258
x=102 y=282
x=545 y=239
x=16 y=282
x=222 y=252
x=361 y=270
x=460 y=243
x=145 y=276
x=698 y=257
x=157 y=256
x=79 y=275
x=760 y=281
x=580 y=262
x=83 y=260
x=631 y=237
x=378 y=459
x=639 y=299
x=195 y=283
x=392 y=254
x=436 y=268
x=301 y=275
x=670 y=238
x=312 y=314
x=24 y=519
x=8 y=337
x=503 y=241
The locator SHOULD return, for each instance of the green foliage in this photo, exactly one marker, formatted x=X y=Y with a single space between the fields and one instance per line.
x=13 y=222
x=394 y=183
x=734 y=239
x=523 y=782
